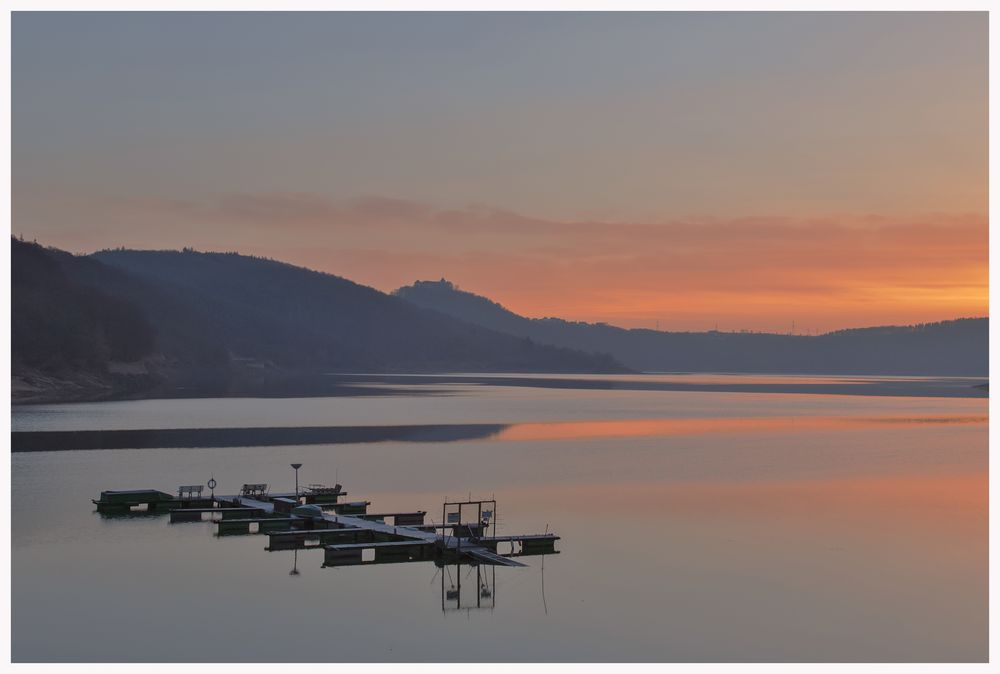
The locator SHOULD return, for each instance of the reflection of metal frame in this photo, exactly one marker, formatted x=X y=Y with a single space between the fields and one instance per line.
x=451 y=594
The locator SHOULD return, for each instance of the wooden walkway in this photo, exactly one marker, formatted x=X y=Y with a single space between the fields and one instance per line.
x=489 y=557
x=414 y=536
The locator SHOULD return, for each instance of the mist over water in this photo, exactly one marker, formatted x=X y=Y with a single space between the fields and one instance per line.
x=696 y=526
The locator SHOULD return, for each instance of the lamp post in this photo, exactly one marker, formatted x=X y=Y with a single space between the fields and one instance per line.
x=296 y=466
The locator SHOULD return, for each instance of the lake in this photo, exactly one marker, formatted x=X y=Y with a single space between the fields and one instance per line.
x=738 y=519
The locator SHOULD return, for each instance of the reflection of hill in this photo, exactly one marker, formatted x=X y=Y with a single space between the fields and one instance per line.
x=43 y=441
x=923 y=387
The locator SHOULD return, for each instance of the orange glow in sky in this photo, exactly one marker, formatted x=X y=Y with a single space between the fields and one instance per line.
x=759 y=274
x=739 y=171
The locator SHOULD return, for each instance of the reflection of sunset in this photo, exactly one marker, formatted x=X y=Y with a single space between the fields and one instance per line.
x=657 y=427
x=850 y=513
x=920 y=495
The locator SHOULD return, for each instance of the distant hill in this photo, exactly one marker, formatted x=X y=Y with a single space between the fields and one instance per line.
x=126 y=322
x=958 y=347
x=61 y=323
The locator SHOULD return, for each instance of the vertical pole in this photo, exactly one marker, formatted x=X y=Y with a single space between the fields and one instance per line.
x=296 y=466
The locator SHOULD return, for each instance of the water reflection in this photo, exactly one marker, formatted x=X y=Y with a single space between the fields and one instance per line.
x=477 y=593
x=783 y=539
x=40 y=441
x=458 y=400
x=172 y=438
x=624 y=428
x=873 y=385
x=134 y=513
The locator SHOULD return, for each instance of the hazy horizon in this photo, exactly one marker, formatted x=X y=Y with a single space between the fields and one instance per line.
x=797 y=330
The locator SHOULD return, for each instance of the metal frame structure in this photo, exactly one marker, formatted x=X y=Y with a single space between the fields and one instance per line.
x=481 y=526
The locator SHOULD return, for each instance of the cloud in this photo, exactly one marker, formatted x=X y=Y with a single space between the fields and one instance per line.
x=755 y=272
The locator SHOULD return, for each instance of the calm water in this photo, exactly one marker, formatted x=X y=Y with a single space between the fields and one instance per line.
x=696 y=526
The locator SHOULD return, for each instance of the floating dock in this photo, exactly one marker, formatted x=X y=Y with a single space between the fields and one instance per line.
x=150 y=500
x=348 y=534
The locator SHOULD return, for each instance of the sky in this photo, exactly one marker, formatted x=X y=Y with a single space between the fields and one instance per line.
x=686 y=170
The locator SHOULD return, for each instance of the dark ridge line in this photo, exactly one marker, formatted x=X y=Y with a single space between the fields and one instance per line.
x=934 y=387
x=178 y=438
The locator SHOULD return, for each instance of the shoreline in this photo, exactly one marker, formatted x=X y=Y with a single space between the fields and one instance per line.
x=377 y=385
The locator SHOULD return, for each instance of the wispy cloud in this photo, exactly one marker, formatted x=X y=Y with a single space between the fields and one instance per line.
x=757 y=272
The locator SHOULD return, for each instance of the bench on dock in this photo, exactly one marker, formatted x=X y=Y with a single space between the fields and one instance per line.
x=254 y=490
x=190 y=491
x=318 y=493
